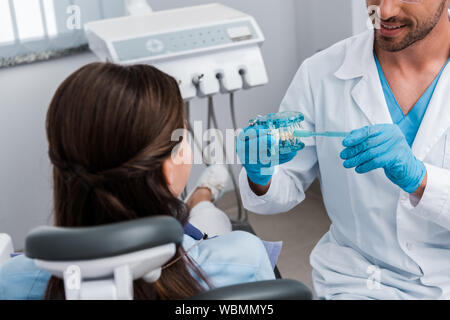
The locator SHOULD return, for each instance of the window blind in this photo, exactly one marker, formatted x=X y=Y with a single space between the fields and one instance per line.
x=34 y=30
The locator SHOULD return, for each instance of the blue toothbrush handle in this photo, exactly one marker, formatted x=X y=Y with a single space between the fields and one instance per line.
x=336 y=134
x=331 y=134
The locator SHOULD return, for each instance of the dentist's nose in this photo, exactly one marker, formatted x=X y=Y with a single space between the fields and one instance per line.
x=389 y=9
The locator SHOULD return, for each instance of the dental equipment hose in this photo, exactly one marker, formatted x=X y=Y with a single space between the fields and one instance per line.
x=197 y=143
x=242 y=217
x=212 y=115
x=242 y=214
x=189 y=128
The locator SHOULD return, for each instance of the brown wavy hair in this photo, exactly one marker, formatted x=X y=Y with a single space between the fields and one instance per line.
x=109 y=131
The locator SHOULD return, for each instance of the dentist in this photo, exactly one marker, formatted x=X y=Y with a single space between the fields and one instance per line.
x=386 y=187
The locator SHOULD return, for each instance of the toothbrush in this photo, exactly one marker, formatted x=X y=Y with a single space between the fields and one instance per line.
x=286 y=128
x=330 y=134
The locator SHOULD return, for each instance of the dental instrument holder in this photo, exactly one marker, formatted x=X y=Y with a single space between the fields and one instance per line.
x=209 y=49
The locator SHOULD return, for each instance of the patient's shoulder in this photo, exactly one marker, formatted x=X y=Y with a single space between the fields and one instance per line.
x=234 y=248
x=21 y=279
x=247 y=246
x=236 y=257
x=18 y=265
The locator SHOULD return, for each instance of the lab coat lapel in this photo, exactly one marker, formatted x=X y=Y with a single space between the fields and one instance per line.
x=367 y=93
x=369 y=96
x=437 y=118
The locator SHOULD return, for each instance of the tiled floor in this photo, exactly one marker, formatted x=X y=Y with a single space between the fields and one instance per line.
x=299 y=229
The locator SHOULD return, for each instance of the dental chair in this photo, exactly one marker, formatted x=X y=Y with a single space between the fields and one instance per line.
x=100 y=263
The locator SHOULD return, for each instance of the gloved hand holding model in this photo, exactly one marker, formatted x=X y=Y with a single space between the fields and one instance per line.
x=384 y=146
x=259 y=153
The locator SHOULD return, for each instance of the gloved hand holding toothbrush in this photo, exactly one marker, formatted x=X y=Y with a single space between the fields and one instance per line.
x=384 y=146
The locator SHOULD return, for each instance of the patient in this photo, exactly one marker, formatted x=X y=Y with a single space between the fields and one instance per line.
x=109 y=130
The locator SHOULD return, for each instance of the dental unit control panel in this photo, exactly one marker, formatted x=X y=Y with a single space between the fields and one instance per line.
x=209 y=49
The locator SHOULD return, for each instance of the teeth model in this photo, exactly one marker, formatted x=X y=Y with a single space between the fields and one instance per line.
x=286 y=129
x=282 y=127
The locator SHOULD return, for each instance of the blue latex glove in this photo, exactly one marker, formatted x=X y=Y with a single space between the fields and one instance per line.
x=259 y=154
x=384 y=146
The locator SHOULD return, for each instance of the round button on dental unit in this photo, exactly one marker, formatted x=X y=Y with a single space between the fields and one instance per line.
x=155 y=46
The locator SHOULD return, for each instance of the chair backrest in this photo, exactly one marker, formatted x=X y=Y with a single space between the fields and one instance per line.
x=282 y=289
x=101 y=262
x=6 y=248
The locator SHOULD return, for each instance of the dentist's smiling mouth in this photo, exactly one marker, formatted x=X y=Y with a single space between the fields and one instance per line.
x=391 y=30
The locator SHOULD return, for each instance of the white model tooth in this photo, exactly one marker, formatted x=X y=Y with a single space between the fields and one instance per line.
x=275 y=135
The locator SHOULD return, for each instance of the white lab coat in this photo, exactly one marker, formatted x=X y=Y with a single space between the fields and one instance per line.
x=382 y=244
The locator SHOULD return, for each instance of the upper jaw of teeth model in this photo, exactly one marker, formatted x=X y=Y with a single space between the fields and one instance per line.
x=281 y=126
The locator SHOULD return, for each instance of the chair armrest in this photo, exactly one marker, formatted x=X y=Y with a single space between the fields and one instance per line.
x=282 y=289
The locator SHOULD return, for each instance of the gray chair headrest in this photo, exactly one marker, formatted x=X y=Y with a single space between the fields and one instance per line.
x=75 y=244
x=282 y=289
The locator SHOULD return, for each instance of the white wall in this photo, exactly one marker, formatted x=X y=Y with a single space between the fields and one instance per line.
x=321 y=23
x=359 y=16
x=294 y=30
x=25 y=189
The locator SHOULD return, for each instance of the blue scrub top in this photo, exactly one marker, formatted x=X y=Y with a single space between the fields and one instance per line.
x=410 y=123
